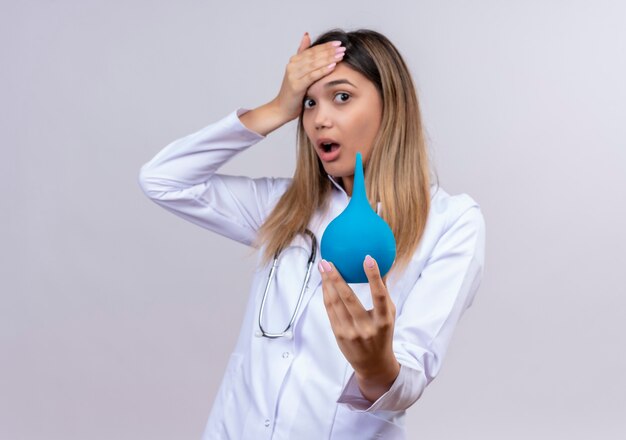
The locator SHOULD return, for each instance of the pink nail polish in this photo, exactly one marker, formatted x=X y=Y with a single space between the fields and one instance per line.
x=336 y=43
x=330 y=66
x=327 y=267
x=369 y=261
x=320 y=267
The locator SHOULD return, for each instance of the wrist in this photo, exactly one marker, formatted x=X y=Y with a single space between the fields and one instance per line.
x=280 y=114
x=374 y=382
x=383 y=374
x=264 y=119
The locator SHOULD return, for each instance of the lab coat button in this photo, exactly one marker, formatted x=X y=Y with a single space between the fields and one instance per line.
x=267 y=422
x=285 y=355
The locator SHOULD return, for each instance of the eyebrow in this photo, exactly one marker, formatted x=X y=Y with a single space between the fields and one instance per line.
x=337 y=82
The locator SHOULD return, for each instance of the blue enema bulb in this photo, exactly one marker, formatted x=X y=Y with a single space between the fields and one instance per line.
x=357 y=232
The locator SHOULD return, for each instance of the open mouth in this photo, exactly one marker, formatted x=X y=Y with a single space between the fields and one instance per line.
x=329 y=147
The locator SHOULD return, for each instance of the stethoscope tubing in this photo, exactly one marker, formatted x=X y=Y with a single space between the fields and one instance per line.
x=270 y=278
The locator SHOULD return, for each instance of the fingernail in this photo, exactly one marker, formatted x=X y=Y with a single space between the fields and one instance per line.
x=369 y=261
x=330 y=66
x=320 y=267
x=336 y=43
x=327 y=267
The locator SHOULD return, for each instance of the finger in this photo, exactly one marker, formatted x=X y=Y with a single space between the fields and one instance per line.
x=318 y=58
x=332 y=300
x=326 y=51
x=305 y=42
x=330 y=55
x=347 y=296
x=380 y=295
x=310 y=52
x=385 y=279
x=335 y=322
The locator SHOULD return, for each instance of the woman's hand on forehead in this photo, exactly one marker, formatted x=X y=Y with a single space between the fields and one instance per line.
x=308 y=65
x=304 y=68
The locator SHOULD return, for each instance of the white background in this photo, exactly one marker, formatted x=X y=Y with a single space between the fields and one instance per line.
x=117 y=318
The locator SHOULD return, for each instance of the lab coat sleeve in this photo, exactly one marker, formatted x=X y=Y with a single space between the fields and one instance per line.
x=424 y=327
x=399 y=397
x=182 y=178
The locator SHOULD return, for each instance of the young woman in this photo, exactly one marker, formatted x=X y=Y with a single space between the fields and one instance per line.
x=318 y=358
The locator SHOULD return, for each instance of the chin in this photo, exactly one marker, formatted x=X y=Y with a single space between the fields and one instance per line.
x=336 y=171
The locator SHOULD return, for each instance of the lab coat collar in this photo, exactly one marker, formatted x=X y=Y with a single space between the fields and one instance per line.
x=337 y=185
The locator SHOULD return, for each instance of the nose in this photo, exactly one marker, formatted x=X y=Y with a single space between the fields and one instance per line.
x=322 y=117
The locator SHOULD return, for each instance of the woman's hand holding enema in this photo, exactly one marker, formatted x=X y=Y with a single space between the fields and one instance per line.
x=365 y=337
x=307 y=66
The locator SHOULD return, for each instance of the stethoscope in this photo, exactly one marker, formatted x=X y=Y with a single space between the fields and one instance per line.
x=287 y=332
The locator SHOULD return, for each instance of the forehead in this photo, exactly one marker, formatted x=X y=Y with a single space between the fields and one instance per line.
x=341 y=71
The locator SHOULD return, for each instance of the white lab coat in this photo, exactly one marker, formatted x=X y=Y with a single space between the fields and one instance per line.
x=302 y=387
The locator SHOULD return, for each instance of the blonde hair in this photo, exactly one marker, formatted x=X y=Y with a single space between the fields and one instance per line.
x=397 y=172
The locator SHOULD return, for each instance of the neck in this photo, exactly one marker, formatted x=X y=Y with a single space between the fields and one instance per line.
x=348 y=184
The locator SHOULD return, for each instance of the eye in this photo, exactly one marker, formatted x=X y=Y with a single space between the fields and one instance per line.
x=308 y=103
x=343 y=96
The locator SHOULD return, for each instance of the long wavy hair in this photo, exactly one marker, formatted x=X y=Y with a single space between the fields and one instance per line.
x=397 y=173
